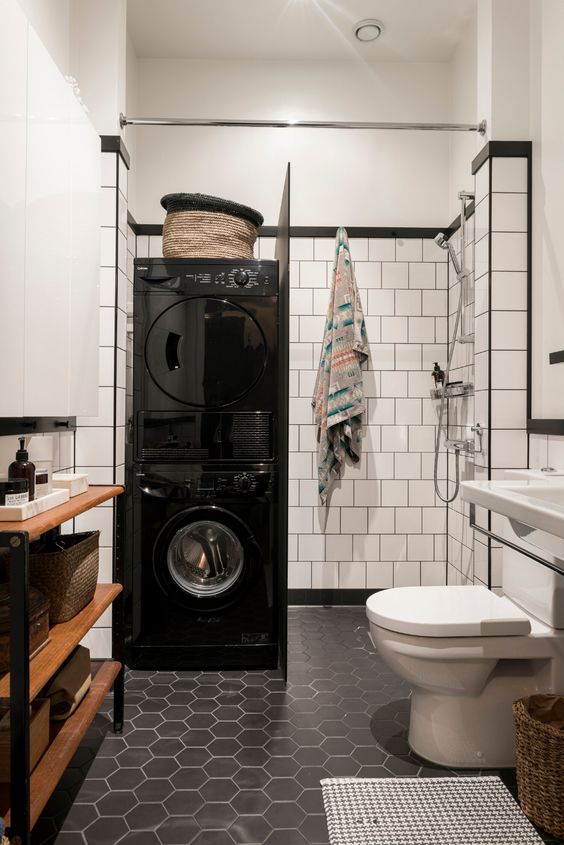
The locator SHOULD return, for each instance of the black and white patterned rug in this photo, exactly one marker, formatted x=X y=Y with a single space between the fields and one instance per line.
x=424 y=811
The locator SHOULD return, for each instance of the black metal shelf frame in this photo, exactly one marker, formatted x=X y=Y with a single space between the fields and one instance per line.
x=16 y=545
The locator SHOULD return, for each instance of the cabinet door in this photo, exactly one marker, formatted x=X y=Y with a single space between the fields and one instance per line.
x=84 y=263
x=13 y=82
x=48 y=237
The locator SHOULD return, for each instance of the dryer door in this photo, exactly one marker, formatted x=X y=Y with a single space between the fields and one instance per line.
x=204 y=557
x=205 y=352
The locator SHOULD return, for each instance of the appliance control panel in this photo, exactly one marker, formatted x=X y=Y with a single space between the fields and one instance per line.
x=201 y=485
x=215 y=277
x=238 y=484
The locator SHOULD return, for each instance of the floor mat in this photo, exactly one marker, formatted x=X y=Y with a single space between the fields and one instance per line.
x=424 y=811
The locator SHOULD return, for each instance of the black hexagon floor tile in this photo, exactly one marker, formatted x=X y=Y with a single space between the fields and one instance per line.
x=234 y=757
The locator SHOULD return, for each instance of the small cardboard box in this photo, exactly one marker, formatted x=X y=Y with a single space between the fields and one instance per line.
x=38 y=737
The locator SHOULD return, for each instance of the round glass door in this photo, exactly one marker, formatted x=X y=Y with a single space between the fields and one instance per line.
x=205 y=352
x=205 y=558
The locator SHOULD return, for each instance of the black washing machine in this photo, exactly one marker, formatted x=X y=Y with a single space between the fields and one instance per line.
x=204 y=590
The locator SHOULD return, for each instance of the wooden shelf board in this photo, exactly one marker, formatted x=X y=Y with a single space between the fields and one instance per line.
x=37 y=525
x=68 y=736
x=63 y=639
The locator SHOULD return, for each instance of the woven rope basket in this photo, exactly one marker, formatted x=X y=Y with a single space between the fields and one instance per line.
x=540 y=766
x=67 y=575
x=200 y=226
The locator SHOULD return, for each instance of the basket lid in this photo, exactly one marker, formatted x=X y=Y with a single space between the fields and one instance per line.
x=204 y=202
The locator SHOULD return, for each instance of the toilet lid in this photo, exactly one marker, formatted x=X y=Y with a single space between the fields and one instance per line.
x=446 y=612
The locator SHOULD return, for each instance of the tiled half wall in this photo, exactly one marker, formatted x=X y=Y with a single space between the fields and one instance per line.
x=496 y=363
x=384 y=526
x=100 y=440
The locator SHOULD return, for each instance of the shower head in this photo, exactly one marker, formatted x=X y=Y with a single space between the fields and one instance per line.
x=441 y=240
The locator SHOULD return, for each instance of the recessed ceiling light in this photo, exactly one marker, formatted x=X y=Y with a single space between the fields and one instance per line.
x=368 y=30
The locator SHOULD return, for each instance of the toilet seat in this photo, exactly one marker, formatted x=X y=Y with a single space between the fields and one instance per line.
x=447 y=612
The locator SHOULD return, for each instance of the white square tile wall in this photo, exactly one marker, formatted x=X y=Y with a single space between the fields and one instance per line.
x=100 y=440
x=382 y=524
x=499 y=324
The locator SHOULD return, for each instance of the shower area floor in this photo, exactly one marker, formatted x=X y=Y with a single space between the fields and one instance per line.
x=235 y=758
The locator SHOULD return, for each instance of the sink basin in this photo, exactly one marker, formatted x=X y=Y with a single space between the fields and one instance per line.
x=550 y=493
x=536 y=503
x=549 y=474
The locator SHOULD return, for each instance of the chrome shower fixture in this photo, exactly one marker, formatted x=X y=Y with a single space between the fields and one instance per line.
x=462 y=274
x=441 y=240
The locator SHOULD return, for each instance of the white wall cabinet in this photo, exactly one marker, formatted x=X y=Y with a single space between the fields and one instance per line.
x=13 y=96
x=49 y=298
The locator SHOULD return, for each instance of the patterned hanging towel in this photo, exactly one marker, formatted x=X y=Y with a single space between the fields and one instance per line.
x=338 y=398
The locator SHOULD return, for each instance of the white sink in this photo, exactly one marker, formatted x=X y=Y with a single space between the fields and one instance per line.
x=549 y=474
x=535 y=508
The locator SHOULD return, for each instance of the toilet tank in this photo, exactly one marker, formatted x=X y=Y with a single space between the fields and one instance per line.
x=532 y=586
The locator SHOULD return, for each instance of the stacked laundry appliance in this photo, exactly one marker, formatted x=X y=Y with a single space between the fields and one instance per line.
x=206 y=478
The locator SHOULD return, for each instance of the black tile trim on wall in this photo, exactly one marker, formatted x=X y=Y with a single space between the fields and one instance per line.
x=354 y=231
x=502 y=149
x=545 y=427
x=455 y=225
x=115 y=144
x=156 y=230
x=329 y=596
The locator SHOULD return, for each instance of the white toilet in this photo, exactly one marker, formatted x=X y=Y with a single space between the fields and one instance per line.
x=468 y=654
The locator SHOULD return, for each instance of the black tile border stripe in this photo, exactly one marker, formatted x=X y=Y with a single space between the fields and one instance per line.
x=545 y=427
x=455 y=225
x=115 y=144
x=556 y=357
x=502 y=149
x=330 y=596
x=355 y=231
x=156 y=229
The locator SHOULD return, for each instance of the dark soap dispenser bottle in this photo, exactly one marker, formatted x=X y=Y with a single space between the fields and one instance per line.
x=22 y=467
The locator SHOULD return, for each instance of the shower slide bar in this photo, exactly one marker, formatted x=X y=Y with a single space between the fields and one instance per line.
x=301 y=124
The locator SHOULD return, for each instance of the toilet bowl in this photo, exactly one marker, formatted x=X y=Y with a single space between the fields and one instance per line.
x=467 y=655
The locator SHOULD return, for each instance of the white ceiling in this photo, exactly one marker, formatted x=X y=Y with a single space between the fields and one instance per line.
x=414 y=30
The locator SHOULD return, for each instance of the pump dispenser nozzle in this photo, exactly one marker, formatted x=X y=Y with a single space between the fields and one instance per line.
x=22 y=454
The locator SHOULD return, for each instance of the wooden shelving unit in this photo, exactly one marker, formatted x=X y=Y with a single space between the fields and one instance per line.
x=63 y=639
x=65 y=739
x=22 y=801
x=38 y=525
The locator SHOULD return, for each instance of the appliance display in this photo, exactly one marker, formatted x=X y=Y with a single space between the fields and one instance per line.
x=206 y=549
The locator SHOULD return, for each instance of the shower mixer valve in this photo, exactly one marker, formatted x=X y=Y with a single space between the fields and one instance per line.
x=478 y=431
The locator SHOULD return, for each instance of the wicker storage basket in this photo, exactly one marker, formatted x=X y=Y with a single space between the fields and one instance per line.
x=66 y=571
x=200 y=226
x=539 y=730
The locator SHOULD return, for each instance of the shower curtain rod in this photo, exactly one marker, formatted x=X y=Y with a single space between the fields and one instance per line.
x=301 y=124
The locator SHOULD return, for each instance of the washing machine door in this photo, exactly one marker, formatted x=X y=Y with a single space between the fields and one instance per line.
x=205 y=352
x=204 y=557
